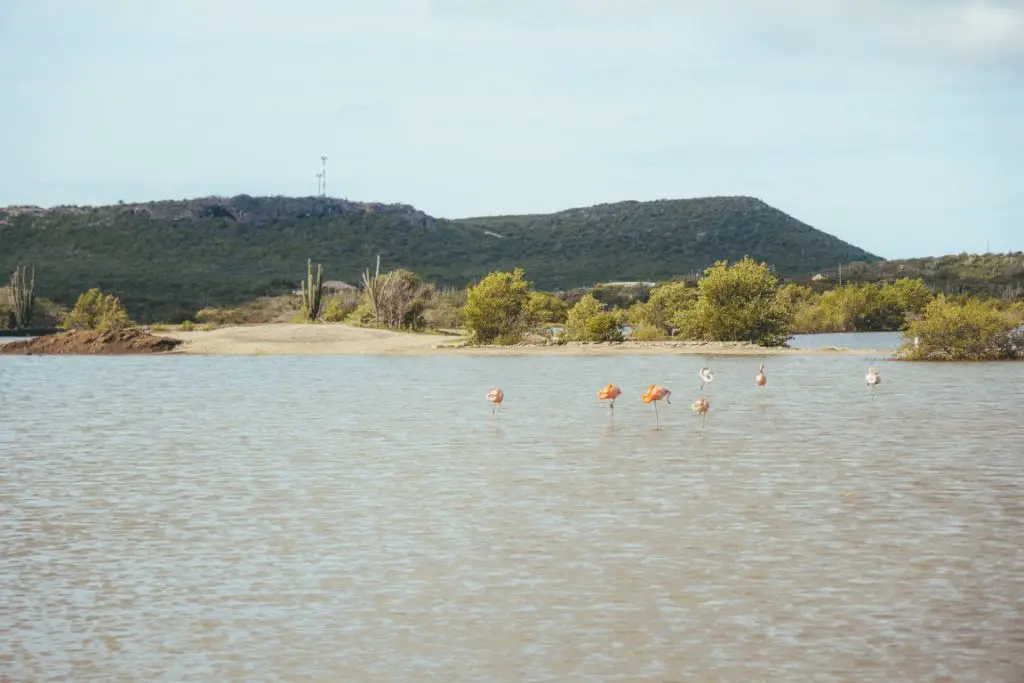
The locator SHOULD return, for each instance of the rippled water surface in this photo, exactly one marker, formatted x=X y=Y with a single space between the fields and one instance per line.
x=368 y=519
x=886 y=341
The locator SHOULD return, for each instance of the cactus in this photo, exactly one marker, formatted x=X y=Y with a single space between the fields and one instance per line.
x=312 y=292
x=23 y=297
x=373 y=287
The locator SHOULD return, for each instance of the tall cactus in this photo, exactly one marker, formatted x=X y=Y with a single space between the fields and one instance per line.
x=312 y=292
x=23 y=297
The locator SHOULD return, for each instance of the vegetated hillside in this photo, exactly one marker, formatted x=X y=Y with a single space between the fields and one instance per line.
x=660 y=239
x=167 y=259
x=1000 y=275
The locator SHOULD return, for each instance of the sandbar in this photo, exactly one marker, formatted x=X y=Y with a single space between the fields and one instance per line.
x=327 y=339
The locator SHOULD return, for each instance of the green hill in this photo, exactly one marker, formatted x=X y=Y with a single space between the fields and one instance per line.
x=999 y=275
x=167 y=259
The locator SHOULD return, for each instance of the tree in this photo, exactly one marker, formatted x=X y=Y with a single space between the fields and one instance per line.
x=972 y=330
x=795 y=296
x=666 y=301
x=95 y=310
x=853 y=307
x=588 y=321
x=737 y=303
x=498 y=308
x=547 y=308
x=911 y=295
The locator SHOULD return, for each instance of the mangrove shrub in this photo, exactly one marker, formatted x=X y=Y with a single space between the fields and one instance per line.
x=971 y=330
x=95 y=310
x=589 y=321
x=498 y=308
x=653 y=319
x=737 y=303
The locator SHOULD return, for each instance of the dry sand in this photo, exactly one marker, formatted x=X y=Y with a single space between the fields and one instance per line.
x=339 y=339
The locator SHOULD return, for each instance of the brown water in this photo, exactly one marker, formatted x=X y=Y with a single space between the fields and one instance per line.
x=369 y=519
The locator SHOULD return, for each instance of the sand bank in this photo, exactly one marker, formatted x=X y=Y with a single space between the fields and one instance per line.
x=339 y=339
x=91 y=343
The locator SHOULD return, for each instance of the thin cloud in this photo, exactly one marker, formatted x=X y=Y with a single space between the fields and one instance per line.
x=961 y=29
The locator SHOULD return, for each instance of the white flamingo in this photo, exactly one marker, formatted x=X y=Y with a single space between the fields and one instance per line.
x=872 y=379
x=706 y=377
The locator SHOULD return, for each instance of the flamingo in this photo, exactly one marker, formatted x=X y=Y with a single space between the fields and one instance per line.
x=761 y=379
x=706 y=377
x=654 y=394
x=872 y=379
x=701 y=406
x=496 y=396
x=609 y=393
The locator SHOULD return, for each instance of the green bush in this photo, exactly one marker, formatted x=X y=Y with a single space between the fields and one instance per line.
x=588 y=321
x=547 y=308
x=95 y=310
x=498 y=308
x=737 y=303
x=362 y=315
x=647 y=332
x=339 y=306
x=870 y=307
x=444 y=310
x=665 y=303
x=972 y=330
x=911 y=295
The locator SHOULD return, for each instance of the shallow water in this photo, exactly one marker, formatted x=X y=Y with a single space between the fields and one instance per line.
x=191 y=518
x=884 y=341
x=8 y=340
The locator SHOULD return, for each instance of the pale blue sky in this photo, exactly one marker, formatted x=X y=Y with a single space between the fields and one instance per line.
x=897 y=125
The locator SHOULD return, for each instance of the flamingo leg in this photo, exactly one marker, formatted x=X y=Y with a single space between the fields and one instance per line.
x=702 y=416
x=657 y=418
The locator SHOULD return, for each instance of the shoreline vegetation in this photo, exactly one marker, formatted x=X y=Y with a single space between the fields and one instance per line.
x=732 y=309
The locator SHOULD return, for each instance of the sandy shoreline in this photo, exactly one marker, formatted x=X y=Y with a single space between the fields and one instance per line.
x=339 y=339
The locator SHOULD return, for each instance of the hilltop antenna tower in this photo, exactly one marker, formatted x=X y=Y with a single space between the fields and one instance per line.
x=319 y=178
x=323 y=173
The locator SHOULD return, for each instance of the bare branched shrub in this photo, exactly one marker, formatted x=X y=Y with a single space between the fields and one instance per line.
x=403 y=298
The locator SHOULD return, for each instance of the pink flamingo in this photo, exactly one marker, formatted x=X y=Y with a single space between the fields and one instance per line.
x=701 y=406
x=496 y=396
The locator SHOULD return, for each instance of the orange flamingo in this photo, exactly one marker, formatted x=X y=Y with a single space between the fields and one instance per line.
x=609 y=393
x=701 y=406
x=761 y=379
x=496 y=396
x=654 y=394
